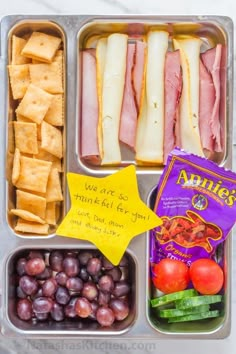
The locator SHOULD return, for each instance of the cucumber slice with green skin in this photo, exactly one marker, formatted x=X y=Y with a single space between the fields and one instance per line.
x=197 y=300
x=168 y=313
x=195 y=317
x=166 y=299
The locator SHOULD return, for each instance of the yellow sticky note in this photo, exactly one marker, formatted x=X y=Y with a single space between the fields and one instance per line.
x=107 y=212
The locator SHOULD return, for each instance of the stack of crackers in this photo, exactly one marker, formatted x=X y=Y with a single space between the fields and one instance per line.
x=36 y=132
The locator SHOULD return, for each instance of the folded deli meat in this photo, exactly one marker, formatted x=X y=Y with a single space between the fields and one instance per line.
x=150 y=93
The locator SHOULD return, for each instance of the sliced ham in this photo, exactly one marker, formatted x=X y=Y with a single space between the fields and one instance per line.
x=128 y=120
x=211 y=59
x=89 y=139
x=223 y=76
x=206 y=105
x=173 y=88
x=138 y=72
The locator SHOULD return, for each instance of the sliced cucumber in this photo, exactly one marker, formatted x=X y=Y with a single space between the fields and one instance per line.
x=195 y=317
x=166 y=299
x=188 y=302
x=176 y=312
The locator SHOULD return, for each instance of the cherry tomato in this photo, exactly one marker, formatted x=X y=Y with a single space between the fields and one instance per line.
x=207 y=276
x=170 y=275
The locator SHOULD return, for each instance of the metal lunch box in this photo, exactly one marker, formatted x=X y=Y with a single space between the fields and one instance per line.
x=77 y=33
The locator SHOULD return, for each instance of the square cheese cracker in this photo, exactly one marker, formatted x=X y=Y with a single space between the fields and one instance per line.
x=26 y=137
x=19 y=79
x=17 y=46
x=55 y=113
x=27 y=215
x=31 y=202
x=47 y=76
x=35 y=104
x=41 y=46
x=33 y=174
x=51 y=139
x=31 y=227
x=21 y=118
x=54 y=193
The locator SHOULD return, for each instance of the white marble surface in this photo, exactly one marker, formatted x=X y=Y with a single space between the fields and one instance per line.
x=117 y=346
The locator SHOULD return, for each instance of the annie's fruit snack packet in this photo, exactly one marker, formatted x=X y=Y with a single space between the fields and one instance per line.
x=196 y=200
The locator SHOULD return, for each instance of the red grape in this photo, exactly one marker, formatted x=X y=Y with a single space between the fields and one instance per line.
x=90 y=291
x=106 y=283
x=120 y=309
x=71 y=266
x=115 y=273
x=57 y=312
x=49 y=287
x=28 y=284
x=62 y=296
x=94 y=266
x=24 y=309
x=105 y=316
x=35 y=266
x=20 y=266
x=83 y=307
x=55 y=260
x=74 y=284
x=121 y=288
x=61 y=278
x=42 y=304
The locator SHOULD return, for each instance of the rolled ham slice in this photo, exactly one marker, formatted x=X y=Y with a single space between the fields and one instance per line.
x=173 y=88
x=89 y=138
x=223 y=105
x=212 y=59
x=129 y=115
x=138 y=72
x=189 y=103
x=206 y=105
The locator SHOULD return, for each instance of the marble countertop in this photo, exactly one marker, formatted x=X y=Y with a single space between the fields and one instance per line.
x=119 y=345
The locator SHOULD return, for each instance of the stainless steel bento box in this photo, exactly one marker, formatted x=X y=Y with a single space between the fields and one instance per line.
x=77 y=32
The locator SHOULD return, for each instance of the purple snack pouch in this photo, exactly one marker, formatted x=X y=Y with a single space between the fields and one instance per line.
x=196 y=200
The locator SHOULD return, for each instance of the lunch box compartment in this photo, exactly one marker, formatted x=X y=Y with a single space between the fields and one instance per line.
x=210 y=32
x=205 y=327
x=69 y=326
x=23 y=29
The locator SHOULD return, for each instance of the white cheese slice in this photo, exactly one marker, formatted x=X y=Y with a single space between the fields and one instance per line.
x=112 y=96
x=189 y=103
x=149 y=143
x=100 y=60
